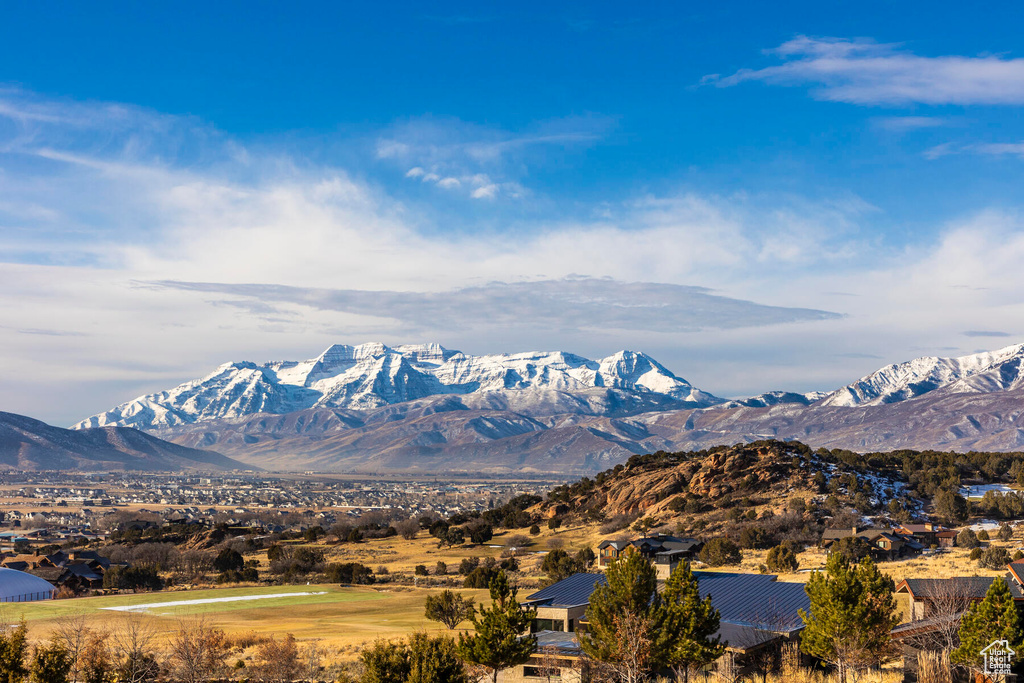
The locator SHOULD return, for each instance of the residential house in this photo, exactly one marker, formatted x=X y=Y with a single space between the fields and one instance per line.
x=665 y=551
x=927 y=534
x=885 y=545
x=758 y=614
x=933 y=608
x=925 y=598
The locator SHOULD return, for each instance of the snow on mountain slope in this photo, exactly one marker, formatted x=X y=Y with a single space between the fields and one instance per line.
x=976 y=373
x=371 y=376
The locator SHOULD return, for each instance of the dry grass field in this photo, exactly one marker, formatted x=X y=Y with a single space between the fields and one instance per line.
x=340 y=619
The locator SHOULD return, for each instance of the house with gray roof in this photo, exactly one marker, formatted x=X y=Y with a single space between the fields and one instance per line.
x=756 y=611
x=665 y=551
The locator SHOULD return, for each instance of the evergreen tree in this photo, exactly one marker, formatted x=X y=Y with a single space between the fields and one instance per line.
x=50 y=664
x=951 y=507
x=994 y=618
x=385 y=662
x=449 y=608
x=688 y=623
x=625 y=616
x=13 y=648
x=499 y=641
x=852 y=612
x=434 y=660
x=782 y=559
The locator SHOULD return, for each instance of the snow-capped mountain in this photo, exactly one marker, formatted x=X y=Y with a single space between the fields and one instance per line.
x=371 y=376
x=976 y=373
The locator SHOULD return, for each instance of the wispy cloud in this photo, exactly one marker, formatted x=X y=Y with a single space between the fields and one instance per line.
x=902 y=124
x=579 y=303
x=478 y=161
x=995 y=149
x=1000 y=148
x=986 y=333
x=861 y=71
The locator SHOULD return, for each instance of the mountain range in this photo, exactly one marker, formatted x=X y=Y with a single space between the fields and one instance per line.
x=424 y=407
x=27 y=444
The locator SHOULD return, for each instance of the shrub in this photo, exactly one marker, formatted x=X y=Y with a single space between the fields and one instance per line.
x=480 y=577
x=994 y=558
x=720 y=551
x=480 y=532
x=782 y=559
x=554 y=523
x=755 y=537
x=228 y=560
x=534 y=530
x=967 y=539
x=441 y=569
x=1005 y=532
x=420 y=570
x=408 y=529
x=983 y=535
x=976 y=554
x=349 y=572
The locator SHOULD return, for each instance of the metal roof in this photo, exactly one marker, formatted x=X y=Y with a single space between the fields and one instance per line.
x=756 y=600
x=18 y=586
x=570 y=592
x=743 y=638
x=973 y=587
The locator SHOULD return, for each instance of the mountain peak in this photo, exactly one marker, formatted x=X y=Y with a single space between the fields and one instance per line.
x=373 y=375
x=976 y=372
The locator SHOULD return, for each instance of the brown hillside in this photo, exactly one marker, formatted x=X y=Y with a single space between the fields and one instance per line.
x=658 y=484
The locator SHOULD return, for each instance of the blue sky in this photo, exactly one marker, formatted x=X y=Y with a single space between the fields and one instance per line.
x=183 y=185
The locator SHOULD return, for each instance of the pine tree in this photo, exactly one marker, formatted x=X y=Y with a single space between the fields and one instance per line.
x=852 y=612
x=385 y=662
x=991 y=619
x=684 y=636
x=434 y=660
x=50 y=664
x=501 y=639
x=624 y=617
x=13 y=648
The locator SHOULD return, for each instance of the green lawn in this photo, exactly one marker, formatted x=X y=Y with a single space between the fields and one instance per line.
x=342 y=619
x=52 y=609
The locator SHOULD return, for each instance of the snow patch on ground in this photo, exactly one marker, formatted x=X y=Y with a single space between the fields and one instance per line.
x=979 y=490
x=205 y=601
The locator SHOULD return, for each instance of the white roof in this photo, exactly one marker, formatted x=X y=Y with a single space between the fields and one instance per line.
x=14 y=584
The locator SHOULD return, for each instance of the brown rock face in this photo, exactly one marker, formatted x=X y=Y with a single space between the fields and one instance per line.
x=650 y=484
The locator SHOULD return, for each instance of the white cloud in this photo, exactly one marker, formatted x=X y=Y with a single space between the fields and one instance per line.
x=482 y=157
x=908 y=123
x=485 y=192
x=1000 y=148
x=861 y=71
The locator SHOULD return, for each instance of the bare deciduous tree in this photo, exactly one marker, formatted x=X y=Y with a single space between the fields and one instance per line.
x=634 y=637
x=198 y=652
x=277 y=661
x=71 y=632
x=133 y=640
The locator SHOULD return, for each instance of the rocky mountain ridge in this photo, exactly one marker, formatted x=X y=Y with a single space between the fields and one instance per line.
x=557 y=412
